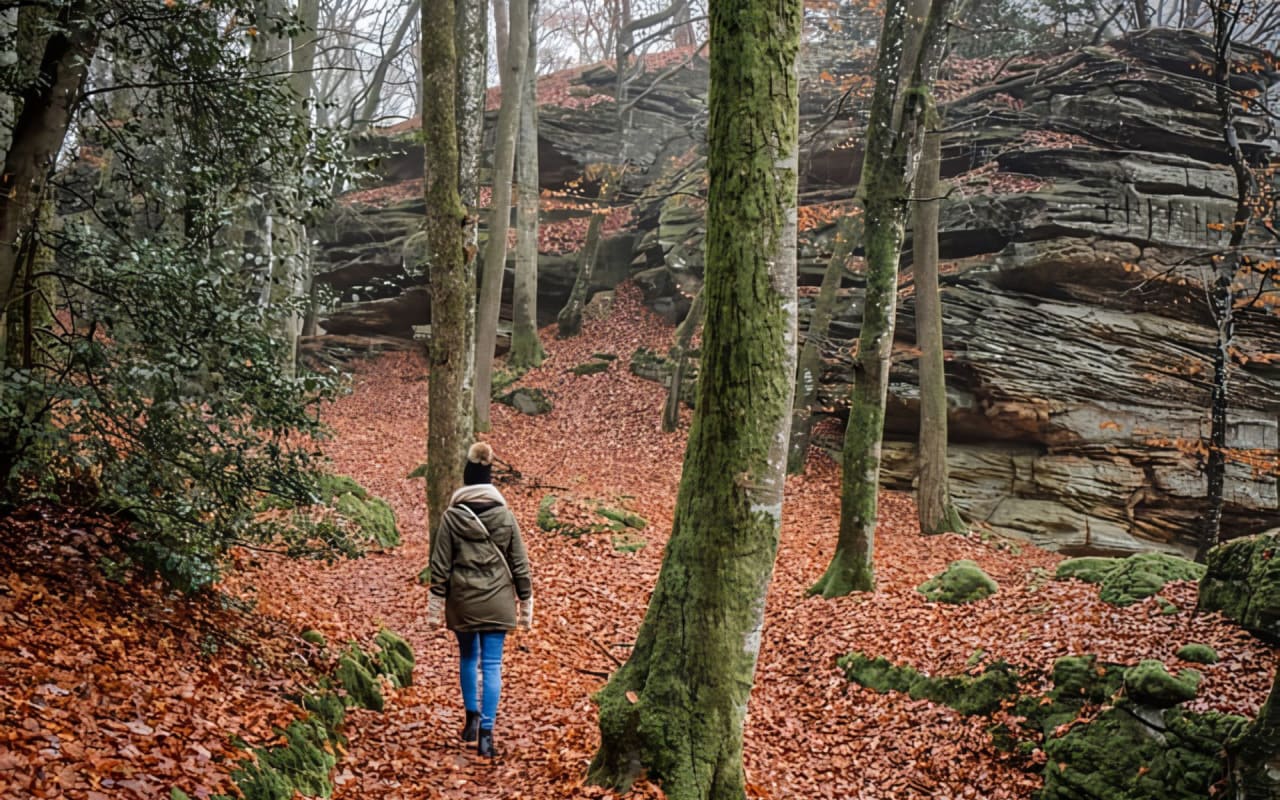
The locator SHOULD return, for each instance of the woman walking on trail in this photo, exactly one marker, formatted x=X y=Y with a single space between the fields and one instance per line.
x=480 y=586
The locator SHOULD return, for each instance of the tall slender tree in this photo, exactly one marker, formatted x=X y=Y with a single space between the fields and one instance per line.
x=526 y=349
x=495 y=251
x=933 y=498
x=471 y=41
x=894 y=140
x=447 y=402
x=676 y=708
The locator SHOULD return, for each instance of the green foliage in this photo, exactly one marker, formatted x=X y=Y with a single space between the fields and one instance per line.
x=162 y=392
x=1198 y=653
x=1125 y=581
x=962 y=582
x=1243 y=582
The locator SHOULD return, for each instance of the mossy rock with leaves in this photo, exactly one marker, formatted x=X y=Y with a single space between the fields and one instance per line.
x=1198 y=653
x=373 y=516
x=591 y=367
x=1125 y=581
x=961 y=582
x=395 y=657
x=1135 y=754
x=1150 y=684
x=528 y=401
x=967 y=694
x=358 y=677
x=1243 y=582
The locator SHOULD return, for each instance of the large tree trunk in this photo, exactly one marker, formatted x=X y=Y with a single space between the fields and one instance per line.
x=495 y=252
x=38 y=132
x=471 y=40
x=526 y=349
x=675 y=710
x=809 y=364
x=1253 y=760
x=936 y=511
x=448 y=404
x=892 y=154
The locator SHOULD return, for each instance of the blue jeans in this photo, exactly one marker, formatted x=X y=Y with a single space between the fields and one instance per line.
x=482 y=649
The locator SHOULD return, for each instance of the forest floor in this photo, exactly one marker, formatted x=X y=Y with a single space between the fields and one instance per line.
x=108 y=693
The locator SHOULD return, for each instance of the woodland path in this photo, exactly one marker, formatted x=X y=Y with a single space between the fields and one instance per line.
x=810 y=733
x=119 y=695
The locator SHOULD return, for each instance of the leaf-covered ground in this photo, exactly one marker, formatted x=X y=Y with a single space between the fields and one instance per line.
x=114 y=694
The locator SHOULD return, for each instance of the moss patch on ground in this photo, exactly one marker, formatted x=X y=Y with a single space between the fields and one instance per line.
x=968 y=694
x=962 y=582
x=1125 y=581
x=1198 y=653
x=1243 y=582
x=1109 y=732
x=575 y=517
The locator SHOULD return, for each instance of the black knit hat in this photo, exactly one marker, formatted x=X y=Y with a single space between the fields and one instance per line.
x=479 y=468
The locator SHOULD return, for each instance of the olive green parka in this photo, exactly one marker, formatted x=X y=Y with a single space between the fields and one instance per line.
x=478 y=561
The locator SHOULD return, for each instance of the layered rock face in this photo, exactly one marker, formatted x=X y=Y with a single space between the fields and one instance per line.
x=1089 y=192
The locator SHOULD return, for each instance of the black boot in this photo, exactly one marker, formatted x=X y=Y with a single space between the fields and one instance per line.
x=484 y=743
x=472 y=726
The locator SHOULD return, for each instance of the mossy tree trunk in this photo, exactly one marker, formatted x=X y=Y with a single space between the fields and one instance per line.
x=809 y=364
x=495 y=251
x=676 y=709
x=569 y=320
x=63 y=46
x=471 y=46
x=680 y=360
x=448 y=405
x=936 y=511
x=892 y=154
x=526 y=349
x=1253 y=760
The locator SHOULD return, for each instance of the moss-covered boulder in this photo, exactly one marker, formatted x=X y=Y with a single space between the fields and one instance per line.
x=624 y=518
x=529 y=401
x=1084 y=679
x=591 y=367
x=1198 y=653
x=395 y=657
x=961 y=582
x=1130 y=754
x=1151 y=685
x=372 y=516
x=359 y=680
x=314 y=637
x=1125 y=581
x=1090 y=569
x=968 y=694
x=1243 y=582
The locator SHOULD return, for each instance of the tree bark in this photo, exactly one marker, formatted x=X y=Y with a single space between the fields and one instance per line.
x=448 y=404
x=526 y=349
x=569 y=320
x=495 y=253
x=1225 y=266
x=471 y=40
x=809 y=364
x=936 y=511
x=675 y=710
x=502 y=35
x=892 y=154
x=38 y=132
x=680 y=359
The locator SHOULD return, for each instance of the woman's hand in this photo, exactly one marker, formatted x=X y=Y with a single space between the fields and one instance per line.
x=435 y=610
x=524 y=614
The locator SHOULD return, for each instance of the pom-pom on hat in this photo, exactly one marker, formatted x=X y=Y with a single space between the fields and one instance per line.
x=479 y=467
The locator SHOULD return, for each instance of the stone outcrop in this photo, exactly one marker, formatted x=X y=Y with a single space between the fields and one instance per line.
x=1088 y=192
